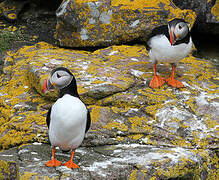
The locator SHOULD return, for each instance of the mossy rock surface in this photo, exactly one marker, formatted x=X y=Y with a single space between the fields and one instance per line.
x=177 y=127
x=215 y=11
x=8 y=170
x=206 y=10
x=122 y=161
x=108 y=22
x=11 y=9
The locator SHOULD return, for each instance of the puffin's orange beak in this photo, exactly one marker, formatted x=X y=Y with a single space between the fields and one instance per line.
x=172 y=39
x=45 y=86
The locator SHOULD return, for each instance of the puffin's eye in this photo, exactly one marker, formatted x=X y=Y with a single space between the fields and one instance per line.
x=180 y=27
x=58 y=76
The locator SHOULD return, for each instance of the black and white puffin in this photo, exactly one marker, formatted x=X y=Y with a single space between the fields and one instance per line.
x=68 y=119
x=169 y=43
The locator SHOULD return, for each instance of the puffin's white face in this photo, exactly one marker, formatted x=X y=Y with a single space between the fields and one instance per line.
x=177 y=30
x=60 y=79
x=181 y=30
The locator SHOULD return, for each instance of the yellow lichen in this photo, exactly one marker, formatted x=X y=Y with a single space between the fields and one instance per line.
x=133 y=175
x=135 y=136
x=118 y=125
x=119 y=138
x=120 y=11
x=95 y=113
x=12 y=16
x=139 y=4
x=12 y=28
x=27 y=175
x=215 y=10
x=4 y=168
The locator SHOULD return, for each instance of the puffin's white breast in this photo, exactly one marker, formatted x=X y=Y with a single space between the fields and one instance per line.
x=161 y=50
x=68 y=122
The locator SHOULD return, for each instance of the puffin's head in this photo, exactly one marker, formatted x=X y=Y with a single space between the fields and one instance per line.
x=178 y=29
x=59 y=78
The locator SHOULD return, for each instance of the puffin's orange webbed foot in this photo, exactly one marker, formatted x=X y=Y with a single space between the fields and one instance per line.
x=157 y=81
x=70 y=164
x=174 y=83
x=53 y=163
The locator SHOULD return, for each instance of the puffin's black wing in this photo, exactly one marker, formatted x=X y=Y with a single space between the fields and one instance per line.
x=160 y=30
x=88 y=121
x=48 y=117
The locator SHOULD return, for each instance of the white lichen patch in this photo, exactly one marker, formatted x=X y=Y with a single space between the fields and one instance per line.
x=84 y=34
x=134 y=59
x=94 y=12
x=62 y=9
x=136 y=73
x=36 y=159
x=23 y=151
x=34 y=153
x=98 y=167
x=55 y=61
x=125 y=155
x=37 y=143
x=135 y=23
x=112 y=53
x=167 y=113
x=105 y=17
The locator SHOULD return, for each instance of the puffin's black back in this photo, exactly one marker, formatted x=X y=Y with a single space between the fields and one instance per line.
x=157 y=31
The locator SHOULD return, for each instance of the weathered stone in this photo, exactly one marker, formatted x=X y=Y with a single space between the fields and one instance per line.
x=207 y=10
x=215 y=12
x=108 y=22
x=123 y=161
x=11 y=9
x=159 y=128
x=8 y=170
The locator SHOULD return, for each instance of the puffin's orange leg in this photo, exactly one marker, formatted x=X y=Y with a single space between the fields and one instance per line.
x=53 y=162
x=157 y=81
x=172 y=81
x=70 y=163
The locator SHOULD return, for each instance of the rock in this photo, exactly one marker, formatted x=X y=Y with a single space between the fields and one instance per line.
x=123 y=161
x=136 y=131
x=108 y=22
x=215 y=12
x=11 y=9
x=206 y=10
x=26 y=10
x=8 y=170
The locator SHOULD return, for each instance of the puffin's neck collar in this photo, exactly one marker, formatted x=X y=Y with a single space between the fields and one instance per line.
x=71 y=89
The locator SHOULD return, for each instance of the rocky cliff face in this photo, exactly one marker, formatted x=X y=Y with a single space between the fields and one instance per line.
x=206 y=10
x=136 y=131
x=108 y=22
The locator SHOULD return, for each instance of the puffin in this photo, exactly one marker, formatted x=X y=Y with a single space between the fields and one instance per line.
x=169 y=43
x=68 y=119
